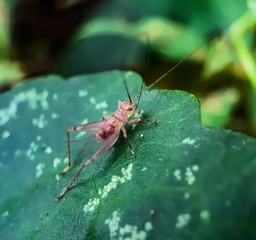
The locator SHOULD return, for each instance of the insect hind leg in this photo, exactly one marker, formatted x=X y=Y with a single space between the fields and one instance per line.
x=89 y=127
x=108 y=144
x=137 y=120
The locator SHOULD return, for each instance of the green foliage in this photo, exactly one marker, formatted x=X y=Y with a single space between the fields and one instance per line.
x=241 y=35
x=9 y=71
x=187 y=181
x=118 y=35
x=224 y=63
x=217 y=107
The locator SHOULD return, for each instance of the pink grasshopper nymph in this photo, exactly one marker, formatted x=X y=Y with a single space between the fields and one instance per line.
x=106 y=131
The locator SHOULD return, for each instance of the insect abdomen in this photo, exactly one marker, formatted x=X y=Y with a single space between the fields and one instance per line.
x=103 y=133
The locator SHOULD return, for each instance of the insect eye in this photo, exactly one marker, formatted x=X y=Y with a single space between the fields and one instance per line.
x=129 y=108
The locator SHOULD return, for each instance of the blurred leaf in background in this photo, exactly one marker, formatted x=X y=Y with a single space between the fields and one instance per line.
x=171 y=36
x=9 y=69
x=77 y=37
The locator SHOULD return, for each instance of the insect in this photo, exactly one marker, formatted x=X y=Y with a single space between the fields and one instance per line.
x=108 y=130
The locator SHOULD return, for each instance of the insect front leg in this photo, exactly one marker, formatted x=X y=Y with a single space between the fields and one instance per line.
x=134 y=121
x=108 y=144
x=89 y=127
x=131 y=122
x=137 y=120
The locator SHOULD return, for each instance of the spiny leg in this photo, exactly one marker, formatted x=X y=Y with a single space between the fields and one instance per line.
x=130 y=122
x=89 y=127
x=108 y=144
x=134 y=121
x=137 y=120
x=126 y=137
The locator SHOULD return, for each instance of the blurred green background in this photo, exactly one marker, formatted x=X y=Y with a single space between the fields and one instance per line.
x=73 y=37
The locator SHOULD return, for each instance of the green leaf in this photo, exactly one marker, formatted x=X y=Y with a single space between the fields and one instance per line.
x=187 y=181
x=168 y=37
x=126 y=44
x=10 y=72
x=218 y=106
x=218 y=58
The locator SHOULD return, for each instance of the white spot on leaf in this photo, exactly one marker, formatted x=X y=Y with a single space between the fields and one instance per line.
x=39 y=169
x=81 y=134
x=40 y=122
x=6 y=134
x=54 y=115
x=56 y=162
x=5 y=214
x=205 y=215
x=82 y=93
x=129 y=74
x=30 y=153
x=177 y=174
x=55 y=96
x=148 y=226
x=92 y=100
x=105 y=113
x=182 y=220
x=189 y=141
x=38 y=138
x=189 y=176
x=48 y=150
x=113 y=224
x=65 y=161
x=126 y=232
x=33 y=99
x=195 y=168
x=102 y=105
x=17 y=152
x=152 y=212
x=85 y=121
x=91 y=205
x=186 y=196
x=103 y=193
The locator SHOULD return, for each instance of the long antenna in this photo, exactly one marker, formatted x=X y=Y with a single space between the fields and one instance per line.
x=146 y=63
x=126 y=88
x=184 y=59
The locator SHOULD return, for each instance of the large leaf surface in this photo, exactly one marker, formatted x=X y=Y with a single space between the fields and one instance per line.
x=187 y=181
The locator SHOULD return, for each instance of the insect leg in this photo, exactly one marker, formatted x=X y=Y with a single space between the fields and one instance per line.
x=108 y=144
x=134 y=121
x=137 y=120
x=89 y=127
x=129 y=144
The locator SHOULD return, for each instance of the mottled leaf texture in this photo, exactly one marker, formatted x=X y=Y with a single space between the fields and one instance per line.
x=187 y=181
